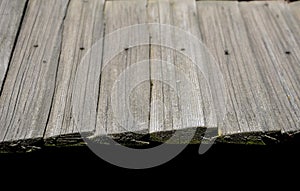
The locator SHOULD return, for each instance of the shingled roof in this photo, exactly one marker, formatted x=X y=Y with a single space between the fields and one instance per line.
x=156 y=66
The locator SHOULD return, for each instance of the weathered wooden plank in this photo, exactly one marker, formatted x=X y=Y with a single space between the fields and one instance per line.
x=182 y=107
x=11 y=12
x=295 y=8
x=215 y=42
x=77 y=85
x=291 y=14
x=60 y=66
x=275 y=49
x=164 y=114
x=123 y=72
x=185 y=18
x=288 y=46
x=27 y=94
x=224 y=33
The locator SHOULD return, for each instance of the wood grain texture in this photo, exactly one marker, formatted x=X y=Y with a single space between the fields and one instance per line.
x=164 y=114
x=224 y=33
x=123 y=71
x=28 y=90
x=76 y=90
x=275 y=49
x=295 y=7
x=182 y=107
x=11 y=12
x=291 y=15
x=97 y=67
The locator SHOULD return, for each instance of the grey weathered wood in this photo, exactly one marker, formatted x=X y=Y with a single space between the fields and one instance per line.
x=295 y=7
x=120 y=14
x=203 y=114
x=164 y=114
x=77 y=85
x=288 y=18
x=182 y=108
x=211 y=30
x=224 y=33
x=291 y=13
x=28 y=90
x=270 y=39
x=64 y=78
x=11 y=12
x=288 y=44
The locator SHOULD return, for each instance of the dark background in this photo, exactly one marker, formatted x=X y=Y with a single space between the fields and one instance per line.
x=223 y=167
x=222 y=160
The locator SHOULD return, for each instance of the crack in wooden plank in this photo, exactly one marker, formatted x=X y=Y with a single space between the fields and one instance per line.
x=78 y=70
x=3 y=79
x=59 y=59
x=30 y=79
x=248 y=102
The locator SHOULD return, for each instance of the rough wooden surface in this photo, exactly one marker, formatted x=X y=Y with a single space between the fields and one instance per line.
x=222 y=30
x=275 y=49
x=28 y=90
x=82 y=28
x=291 y=15
x=165 y=113
x=181 y=108
x=64 y=77
x=294 y=7
x=120 y=71
x=11 y=12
